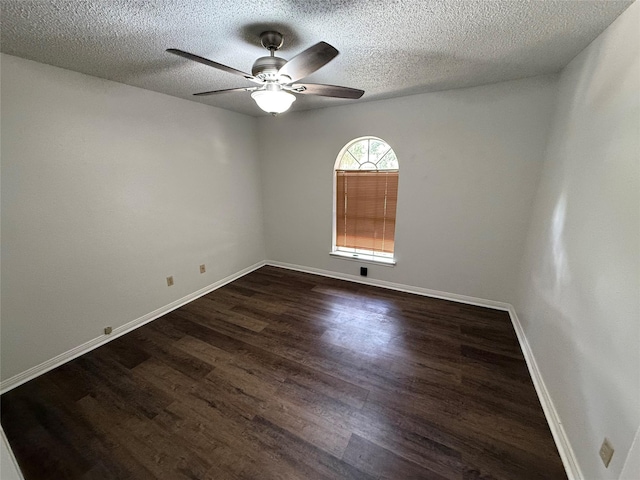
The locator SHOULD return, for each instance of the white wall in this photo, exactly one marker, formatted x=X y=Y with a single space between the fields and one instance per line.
x=106 y=190
x=469 y=165
x=579 y=295
x=8 y=465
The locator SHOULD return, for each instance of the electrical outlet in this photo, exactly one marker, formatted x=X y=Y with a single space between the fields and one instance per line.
x=107 y=330
x=170 y=281
x=606 y=452
x=203 y=268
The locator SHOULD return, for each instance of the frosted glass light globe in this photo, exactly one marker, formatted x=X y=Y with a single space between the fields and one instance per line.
x=273 y=101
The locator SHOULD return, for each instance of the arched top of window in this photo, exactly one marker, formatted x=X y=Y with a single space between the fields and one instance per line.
x=365 y=198
x=367 y=153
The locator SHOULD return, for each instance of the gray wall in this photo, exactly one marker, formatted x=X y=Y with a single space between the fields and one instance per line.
x=579 y=295
x=470 y=161
x=106 y=190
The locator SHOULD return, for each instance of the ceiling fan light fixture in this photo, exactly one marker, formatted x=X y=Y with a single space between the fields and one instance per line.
x=273 y=101
x=277 y=77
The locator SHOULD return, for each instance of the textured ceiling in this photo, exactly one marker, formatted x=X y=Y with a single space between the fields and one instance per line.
x=388 y=48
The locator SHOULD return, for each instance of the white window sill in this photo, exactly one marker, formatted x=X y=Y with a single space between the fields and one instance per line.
x=364 y=258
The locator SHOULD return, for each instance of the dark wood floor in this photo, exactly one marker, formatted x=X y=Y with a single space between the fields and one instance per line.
x=286 y=375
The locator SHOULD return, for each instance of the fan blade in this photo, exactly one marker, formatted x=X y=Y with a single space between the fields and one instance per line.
x=214 y=92
x=327 y=90
x=211 y=63
x=309 y=61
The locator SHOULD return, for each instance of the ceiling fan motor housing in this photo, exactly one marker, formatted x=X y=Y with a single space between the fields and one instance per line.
x=266 y=68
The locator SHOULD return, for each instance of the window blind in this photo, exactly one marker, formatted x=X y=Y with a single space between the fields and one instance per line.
x=366 y=209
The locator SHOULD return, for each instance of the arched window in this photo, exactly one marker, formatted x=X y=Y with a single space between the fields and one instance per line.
x=365 y=199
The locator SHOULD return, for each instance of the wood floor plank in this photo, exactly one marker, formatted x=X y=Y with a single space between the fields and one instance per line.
x=406 y=442
x=311 y=462
x=150 y=444
x=116 y=383
x=287 y=375
x=157 y=345
x=381 y=462
x=330 y=386
x=239 y=317
x=204 y=351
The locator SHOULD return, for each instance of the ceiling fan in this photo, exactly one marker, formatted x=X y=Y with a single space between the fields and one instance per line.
x=277 y=78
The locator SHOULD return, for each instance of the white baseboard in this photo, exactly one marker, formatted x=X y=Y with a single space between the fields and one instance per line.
x=395 y=286
x=92 y=344
x=553 y=419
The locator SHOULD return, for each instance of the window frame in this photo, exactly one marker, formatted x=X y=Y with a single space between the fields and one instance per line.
x=359 y=255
